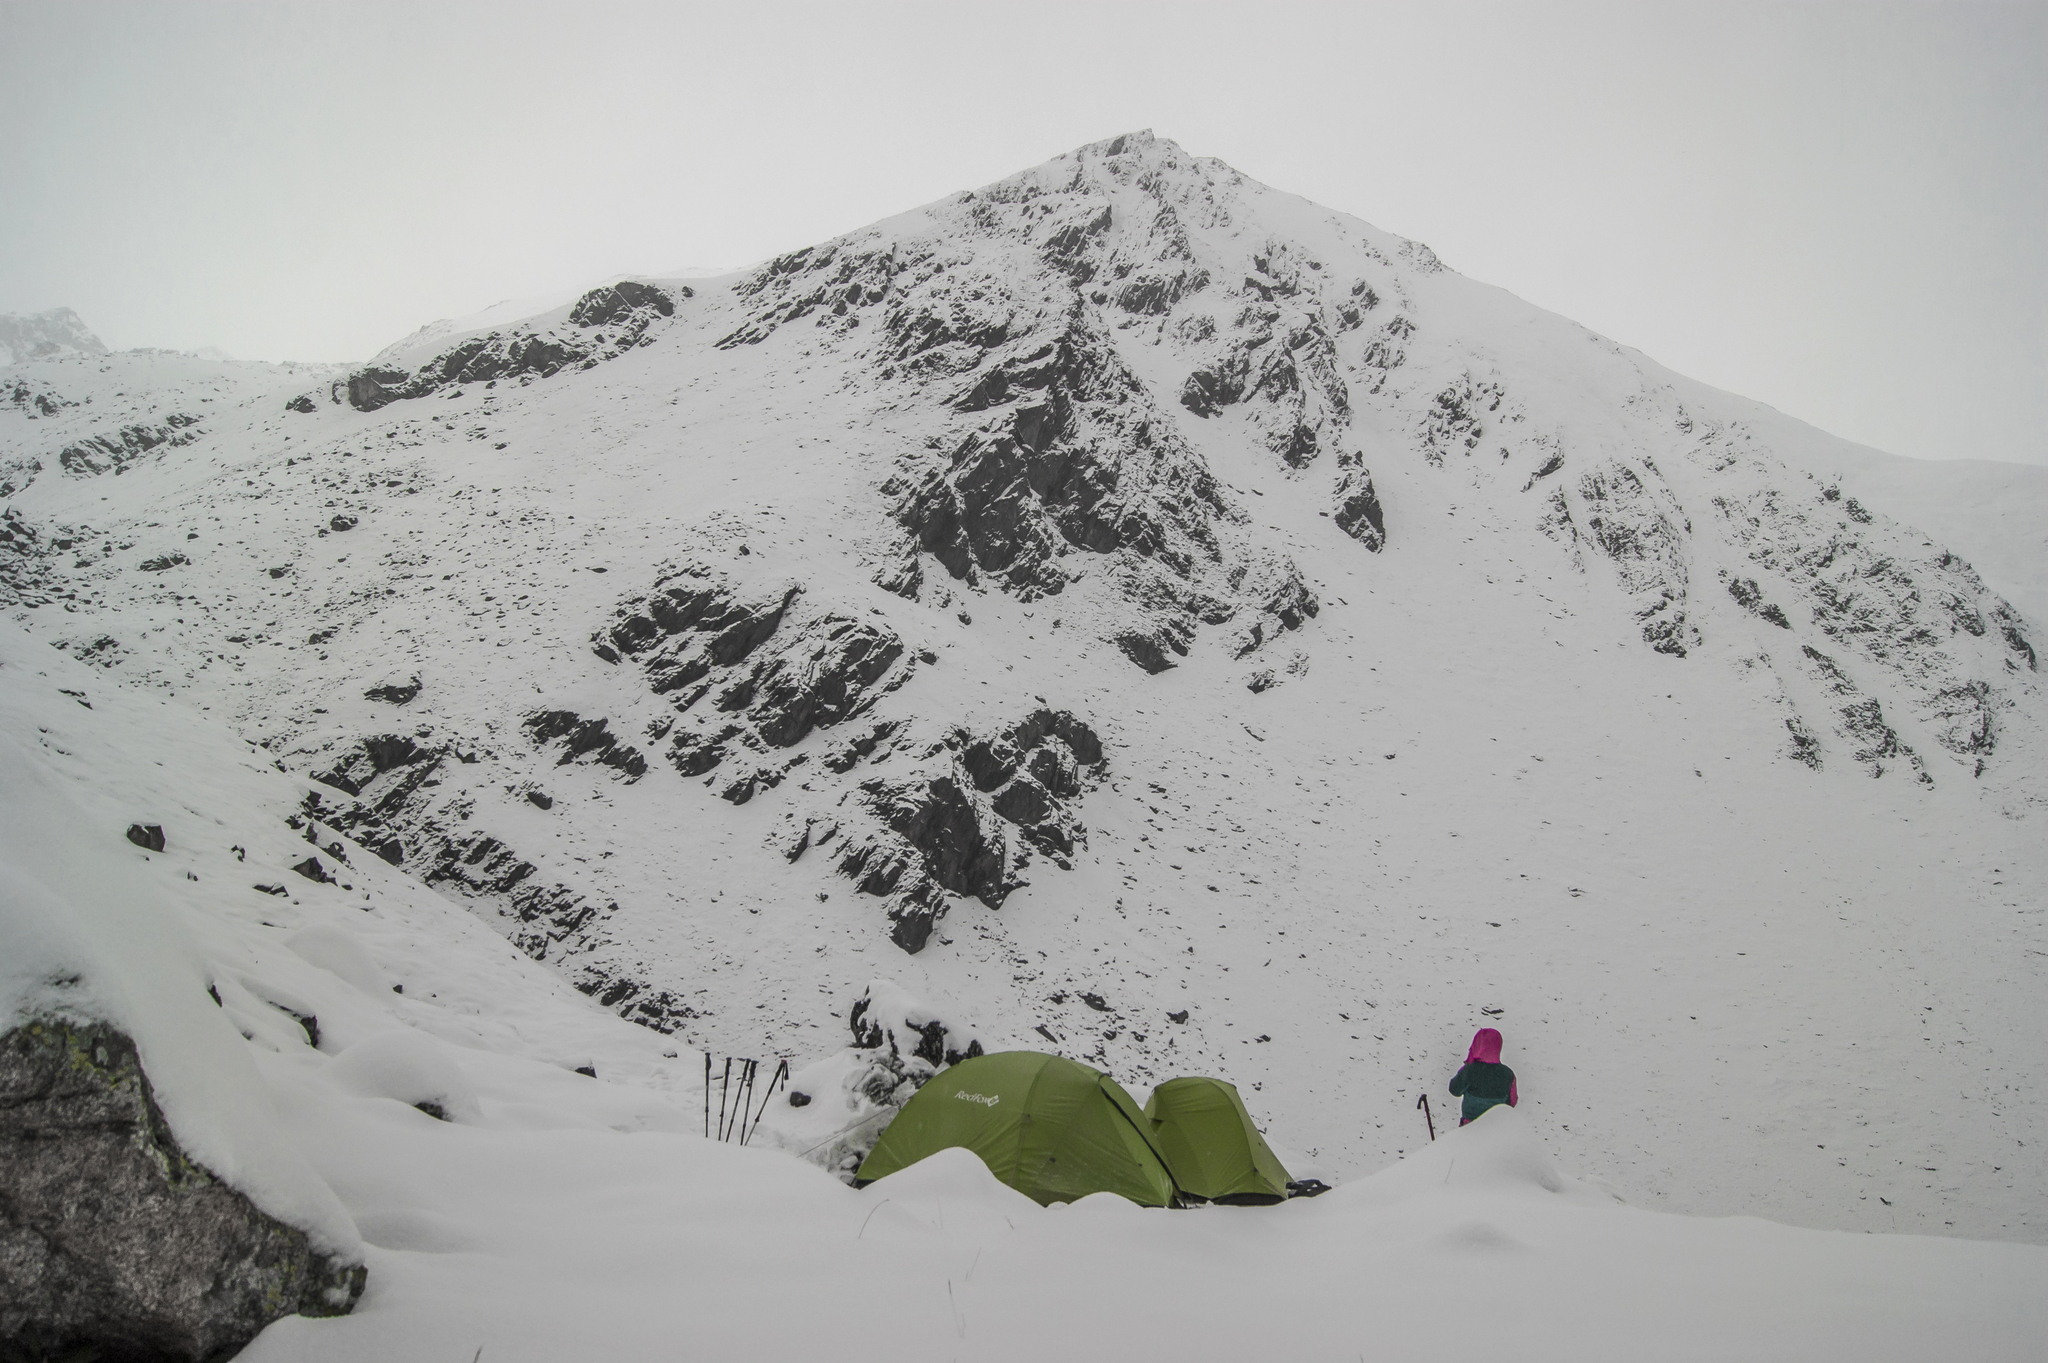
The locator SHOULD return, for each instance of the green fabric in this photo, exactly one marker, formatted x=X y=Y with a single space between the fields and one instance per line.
x=1052 y=1129
x=1201 y=1129
x=1482 y=1086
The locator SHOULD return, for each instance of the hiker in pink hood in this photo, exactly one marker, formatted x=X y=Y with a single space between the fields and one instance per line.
x=1484 y=1082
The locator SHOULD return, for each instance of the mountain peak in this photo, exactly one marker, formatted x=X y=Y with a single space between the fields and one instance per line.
x=39 y=335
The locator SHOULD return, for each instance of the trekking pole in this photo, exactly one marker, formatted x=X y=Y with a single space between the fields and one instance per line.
x=1423 y=1103
x=740 y=1093
x=781 y=1074
x=707 y=1095
x=753 y=1073
x=723 y=1084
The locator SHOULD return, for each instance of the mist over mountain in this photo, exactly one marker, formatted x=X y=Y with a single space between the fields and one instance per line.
x=41 y=335
x=1162 y=619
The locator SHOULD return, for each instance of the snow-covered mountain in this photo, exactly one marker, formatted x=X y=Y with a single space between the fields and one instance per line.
x=39 y=335
x=1165 y=620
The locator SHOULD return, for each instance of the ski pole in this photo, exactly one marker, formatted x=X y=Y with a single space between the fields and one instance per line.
x=723 y=1084
x=1423 y=1103
x=707 y=1095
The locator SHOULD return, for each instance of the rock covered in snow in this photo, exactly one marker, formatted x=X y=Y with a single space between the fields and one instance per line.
x=835 y=1109
x=113 y=1242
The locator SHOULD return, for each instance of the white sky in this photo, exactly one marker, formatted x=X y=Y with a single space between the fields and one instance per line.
x=1839 y=209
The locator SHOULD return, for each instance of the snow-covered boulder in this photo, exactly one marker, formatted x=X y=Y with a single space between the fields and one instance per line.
x=835 y=1109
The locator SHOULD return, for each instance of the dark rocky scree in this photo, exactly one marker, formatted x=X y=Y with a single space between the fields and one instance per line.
x=965 y=822
x=772 y=671
x=625 y=310
x=114 y=1245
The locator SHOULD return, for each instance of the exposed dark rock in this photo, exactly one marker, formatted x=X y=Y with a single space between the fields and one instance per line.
x=114 y=1244
x=967 y=828
x=1965 y=714
x=901 y=1025
x=394 y=692
x=1149 y=650
x=1750 y=597
x=1456 y=419
x=147 y=835
x=585 y=738
x=278 y=890
x=312 y=870
x=162 y=562
x=339 y=522
x=1805 y=747
x=540 y=799
x=1860 y=719
x=301 y=403
x=1061 y=463
x=626 y=309
x=616 y=304
x=112 y=452
x=1624 y=519
x=1358 y=510
x=374 y=387
x=773 y=672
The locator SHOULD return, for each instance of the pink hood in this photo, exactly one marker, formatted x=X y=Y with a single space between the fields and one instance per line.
x=1485 y=1047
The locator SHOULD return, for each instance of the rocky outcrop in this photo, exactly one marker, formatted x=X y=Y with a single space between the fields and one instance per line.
x=1859 y=719
x=605 y=323
x=966 y=822
x=1626 y=521
x=767 y=669
x=1359 y=514
x=111 y=451
x=581 y=739
x=114 y=1244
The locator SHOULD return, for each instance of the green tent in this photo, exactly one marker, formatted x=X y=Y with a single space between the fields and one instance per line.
x=1201 y=1129
x=1052 y=1129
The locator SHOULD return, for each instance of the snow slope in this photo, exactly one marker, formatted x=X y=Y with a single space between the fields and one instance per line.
x=556 y=1214
x=1212 y=634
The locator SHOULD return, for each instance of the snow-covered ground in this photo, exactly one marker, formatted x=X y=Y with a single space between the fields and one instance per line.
x=1540 y=760
x=557 y=1214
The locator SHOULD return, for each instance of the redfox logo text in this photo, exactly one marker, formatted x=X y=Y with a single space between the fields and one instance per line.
x=986 y=1100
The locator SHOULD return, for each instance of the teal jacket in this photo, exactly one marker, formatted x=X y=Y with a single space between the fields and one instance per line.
x=1483 y=1086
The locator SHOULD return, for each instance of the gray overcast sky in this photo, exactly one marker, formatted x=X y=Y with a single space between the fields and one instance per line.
x=1838 y=209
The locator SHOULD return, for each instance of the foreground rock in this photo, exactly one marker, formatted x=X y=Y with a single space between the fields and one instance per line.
x=113 y=1244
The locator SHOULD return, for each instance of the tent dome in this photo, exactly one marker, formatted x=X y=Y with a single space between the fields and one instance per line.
x=1052 y=1128
x=1201 y=1129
